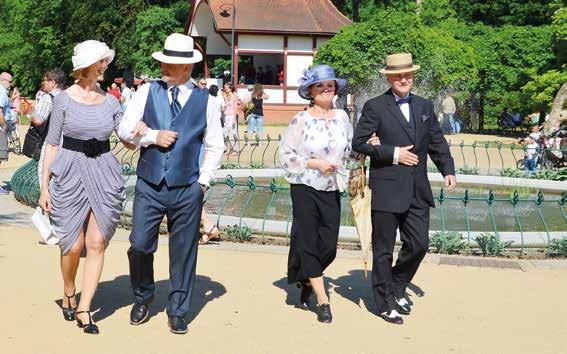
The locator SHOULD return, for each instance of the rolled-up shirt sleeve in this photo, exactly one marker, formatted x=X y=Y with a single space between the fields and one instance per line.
x=290 y=158
x=134 y=113
x=213 y=144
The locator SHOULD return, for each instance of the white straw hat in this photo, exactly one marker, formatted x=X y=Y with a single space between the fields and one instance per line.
x=178 y=49
x=89 y=52
x=398 y=64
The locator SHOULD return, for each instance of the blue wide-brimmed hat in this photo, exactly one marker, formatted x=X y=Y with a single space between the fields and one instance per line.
x=317 y=74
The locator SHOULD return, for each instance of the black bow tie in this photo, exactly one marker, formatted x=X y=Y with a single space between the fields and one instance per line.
x=403 y=100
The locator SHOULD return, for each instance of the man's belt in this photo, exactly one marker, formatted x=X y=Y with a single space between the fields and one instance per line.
x=91 y=148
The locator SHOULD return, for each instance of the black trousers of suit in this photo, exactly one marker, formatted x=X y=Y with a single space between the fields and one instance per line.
x=182 y=206
x=387 y=281
x=314 y=232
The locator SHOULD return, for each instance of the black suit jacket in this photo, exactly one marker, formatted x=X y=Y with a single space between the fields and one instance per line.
x=393 y=186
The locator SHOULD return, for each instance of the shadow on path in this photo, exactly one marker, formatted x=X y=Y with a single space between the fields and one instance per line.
x=113 y=295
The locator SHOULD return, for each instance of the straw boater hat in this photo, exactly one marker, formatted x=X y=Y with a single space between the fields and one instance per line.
x=89 y=52
x=178 y=49
x=399 y=63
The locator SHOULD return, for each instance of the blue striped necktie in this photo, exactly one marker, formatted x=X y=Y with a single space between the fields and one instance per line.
x=175 y=105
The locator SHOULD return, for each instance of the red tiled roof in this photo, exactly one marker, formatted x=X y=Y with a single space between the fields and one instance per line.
x=279 y=16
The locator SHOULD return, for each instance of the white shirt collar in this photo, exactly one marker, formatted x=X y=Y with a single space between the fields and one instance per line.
x=398 y=97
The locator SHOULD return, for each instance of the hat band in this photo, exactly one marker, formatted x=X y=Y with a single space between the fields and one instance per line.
x=402 y=66
x=175 y=53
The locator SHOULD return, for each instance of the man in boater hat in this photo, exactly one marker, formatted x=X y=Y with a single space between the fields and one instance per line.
x=170 y=119
x=408 y=131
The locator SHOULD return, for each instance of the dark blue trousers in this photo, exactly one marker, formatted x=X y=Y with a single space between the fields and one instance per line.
x=182 y=206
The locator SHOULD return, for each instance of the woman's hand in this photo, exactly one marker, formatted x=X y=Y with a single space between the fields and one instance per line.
x=325 y=167
x=139 y=130
x=45 y=201
x=374 y=140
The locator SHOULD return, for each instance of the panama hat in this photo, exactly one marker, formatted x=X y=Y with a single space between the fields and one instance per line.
x=178 y=49
x=89 y=52
x=399 y=63
x=317 y=74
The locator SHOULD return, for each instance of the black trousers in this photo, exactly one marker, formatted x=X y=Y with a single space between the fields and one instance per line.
x=387 y=281
x=182 y=205
x=314 y=232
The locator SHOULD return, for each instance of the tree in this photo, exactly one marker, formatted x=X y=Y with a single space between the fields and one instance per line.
x=502 y=12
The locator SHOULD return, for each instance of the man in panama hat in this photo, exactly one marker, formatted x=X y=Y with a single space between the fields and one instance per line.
x=171 y=119
x=408 y=131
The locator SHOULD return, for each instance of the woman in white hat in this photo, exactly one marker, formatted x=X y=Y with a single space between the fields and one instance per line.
x=83 y=189
x=314 y=152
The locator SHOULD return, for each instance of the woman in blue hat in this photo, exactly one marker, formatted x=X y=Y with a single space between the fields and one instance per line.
x=313 y=152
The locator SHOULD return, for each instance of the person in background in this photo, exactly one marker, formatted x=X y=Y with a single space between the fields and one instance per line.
x=115 y=91
x=313 y=153
x=230 y=119
x=448 y=108
x=202 y=83
x=256 y=118
x=473 y=101
x=127 y=94
x=530 y=162
x=5 y=112
x=53 y=83
x=16 y=103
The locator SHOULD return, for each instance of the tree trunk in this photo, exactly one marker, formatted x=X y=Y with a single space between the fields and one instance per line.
x=558 y=114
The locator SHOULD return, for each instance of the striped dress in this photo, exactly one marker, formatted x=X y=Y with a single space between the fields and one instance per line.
x=78 y=183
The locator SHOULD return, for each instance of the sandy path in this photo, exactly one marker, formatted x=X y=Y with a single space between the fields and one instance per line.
x=239 y=307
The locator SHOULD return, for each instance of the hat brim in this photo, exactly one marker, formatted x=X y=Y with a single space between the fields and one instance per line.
x=399 y=71
x=108 y=55
x=303 y=91
x=159 y=56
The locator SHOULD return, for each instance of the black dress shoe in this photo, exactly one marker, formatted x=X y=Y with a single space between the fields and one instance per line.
x=324 y=313
x=306 y=292
x=392 y=316
x=177 y=325
x=69 y=312
x=89 y=328
x=402 y=306
x=139 y=314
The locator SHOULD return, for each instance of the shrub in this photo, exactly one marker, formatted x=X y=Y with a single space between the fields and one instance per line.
x=448 y=242
x=559 y=247
x=229 y=166
x=511 y=172
x=553 y=175
x=490 y=245
x=468 y=170
x=257 y=165
x=239 y=233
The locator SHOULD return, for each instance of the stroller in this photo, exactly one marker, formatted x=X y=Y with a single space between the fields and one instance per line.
x=555 y=153
x=13 y=138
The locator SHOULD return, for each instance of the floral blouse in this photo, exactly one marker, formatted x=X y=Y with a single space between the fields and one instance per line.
x=309 y=137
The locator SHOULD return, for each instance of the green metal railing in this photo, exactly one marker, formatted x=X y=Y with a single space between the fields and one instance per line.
x=478 y=158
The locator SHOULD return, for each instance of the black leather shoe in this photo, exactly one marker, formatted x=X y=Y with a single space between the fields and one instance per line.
x=69 y=312
x=177 y=325
x=306 y=292
x=324 y=313
x=392 y=316
x=402 y=306
x=89 y=328
x=139 y=314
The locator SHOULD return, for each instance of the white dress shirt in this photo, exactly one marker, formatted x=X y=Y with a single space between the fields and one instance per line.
x=405 y=108
x=213 y=140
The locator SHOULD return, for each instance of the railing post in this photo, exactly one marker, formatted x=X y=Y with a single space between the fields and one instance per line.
x=441 y=199
x=515 y=199
x=252 y=186
x=274 y=189
x=486 y=145
x=489 y=201
x=499 y=146
x=466 y=200
x=474 y=153
x=539 y=202
x=229 y=181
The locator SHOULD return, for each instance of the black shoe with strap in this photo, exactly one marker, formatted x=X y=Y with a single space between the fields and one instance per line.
x=69 y=312
x=89 y=328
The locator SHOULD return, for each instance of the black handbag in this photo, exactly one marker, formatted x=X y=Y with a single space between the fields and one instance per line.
x=34 y=139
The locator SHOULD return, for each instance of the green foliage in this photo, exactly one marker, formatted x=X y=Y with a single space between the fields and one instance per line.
x=468 y=170
x=490 y=245
x=553 y=175
x=541 y=90
x=511 y=172
x=559 y=247
x=229 y=166
x=502 y=12
x=239 y=233
x=255 y=164
x=448 y=242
